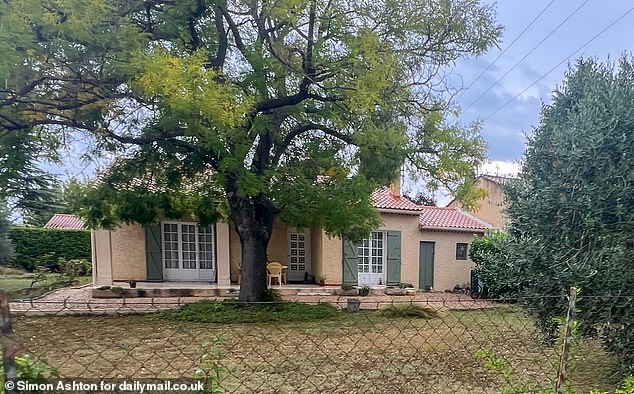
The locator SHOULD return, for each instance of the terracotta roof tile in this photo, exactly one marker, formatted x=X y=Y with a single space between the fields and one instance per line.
x=65 y=221
x=384 y=199
x=450 y=218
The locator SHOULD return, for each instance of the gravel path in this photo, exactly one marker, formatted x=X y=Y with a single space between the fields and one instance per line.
x=80 y=301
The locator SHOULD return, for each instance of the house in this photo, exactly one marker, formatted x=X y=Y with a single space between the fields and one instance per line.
x=491 y=208
x=424 y=246
x=65 y=221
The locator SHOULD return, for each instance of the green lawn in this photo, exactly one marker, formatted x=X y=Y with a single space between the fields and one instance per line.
x=339 y=353
x=24 y=287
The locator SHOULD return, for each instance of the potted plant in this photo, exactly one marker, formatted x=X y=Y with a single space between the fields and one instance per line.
x=322 y=281
x=364 y=290
x=132 y=283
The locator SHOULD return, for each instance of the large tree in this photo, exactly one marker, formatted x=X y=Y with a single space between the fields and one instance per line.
x=571 y=212
x=248 y=110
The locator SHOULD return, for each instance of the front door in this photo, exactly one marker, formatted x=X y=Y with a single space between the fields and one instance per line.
x=371 y=259
x=298 y=254
x=426 y=265
x=188 y=252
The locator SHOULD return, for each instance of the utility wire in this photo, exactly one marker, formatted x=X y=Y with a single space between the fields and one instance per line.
x=505 y=49
x=525 y=56
x=559 y=64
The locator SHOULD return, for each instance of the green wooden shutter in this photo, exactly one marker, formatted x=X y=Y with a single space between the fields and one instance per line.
x=393 y=257
x=350 y=263
x=153 y=252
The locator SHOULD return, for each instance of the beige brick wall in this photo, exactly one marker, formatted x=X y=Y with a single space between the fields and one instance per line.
x=128 y=252
x=447 y=270
x=316 y=252
x=332 y=260
x=278 y=244
x=276 y=251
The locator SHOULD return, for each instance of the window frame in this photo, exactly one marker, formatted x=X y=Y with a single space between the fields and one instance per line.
x=179 y=240
x=459 y=252
x=370 y=248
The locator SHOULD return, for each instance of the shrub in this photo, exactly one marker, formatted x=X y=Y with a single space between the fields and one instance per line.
x=76 y=267
x=37 y=247
x=409 y=311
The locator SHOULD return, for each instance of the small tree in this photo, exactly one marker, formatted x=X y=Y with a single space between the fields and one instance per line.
x=571 y=212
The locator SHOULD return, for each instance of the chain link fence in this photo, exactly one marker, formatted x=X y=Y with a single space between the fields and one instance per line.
x=439 y=346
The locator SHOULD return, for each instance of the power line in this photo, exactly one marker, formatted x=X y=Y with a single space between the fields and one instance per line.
x=506 y=49
x=559 y=64
x=528 y=54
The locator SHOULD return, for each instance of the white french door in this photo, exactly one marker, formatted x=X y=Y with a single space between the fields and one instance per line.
x=298 y=254
x=188 y=251
x=371 y=259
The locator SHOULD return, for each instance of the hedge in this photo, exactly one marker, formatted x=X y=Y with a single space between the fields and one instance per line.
x=39 y=247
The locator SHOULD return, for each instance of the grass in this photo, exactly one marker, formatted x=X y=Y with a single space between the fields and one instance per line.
x=22 y=286
x=335 y=353
x=230 y=311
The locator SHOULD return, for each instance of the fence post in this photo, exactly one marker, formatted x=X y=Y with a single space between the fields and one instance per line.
x=565 y=351
x=8 y=345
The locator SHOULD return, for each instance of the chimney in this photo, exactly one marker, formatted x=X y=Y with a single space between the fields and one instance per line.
x=395 y=186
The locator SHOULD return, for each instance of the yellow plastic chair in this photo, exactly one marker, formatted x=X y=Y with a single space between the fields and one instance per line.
x=274 y=270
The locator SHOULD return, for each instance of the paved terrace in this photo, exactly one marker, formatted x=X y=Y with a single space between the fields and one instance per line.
x=80 y=301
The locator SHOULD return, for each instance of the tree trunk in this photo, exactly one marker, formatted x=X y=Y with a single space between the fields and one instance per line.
x=253 y=218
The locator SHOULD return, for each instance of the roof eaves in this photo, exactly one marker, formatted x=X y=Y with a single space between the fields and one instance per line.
x=399 y=211
x=452 y=229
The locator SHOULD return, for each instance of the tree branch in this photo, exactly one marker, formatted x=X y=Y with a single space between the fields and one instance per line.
x=292 y=134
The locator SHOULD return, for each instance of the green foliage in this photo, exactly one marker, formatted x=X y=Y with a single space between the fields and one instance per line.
x=289 y=109
x=409 y=311
x=34 y=370
x=493 y=265
x=501 y=366
x=571 y=216
x=7 y=251
x=230 y=312
x=36 y=247
x=31 y=191
x=76 y=267
x=210 y=369
x=626 y=388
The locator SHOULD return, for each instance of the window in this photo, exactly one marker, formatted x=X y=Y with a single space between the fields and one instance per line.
x=461 y=251
x=370 y=254
x=188 y=246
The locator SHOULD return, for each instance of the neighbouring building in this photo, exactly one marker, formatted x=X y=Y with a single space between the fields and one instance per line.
x=491 y=208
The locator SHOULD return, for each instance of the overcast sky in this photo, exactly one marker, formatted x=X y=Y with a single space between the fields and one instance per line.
x=505 y=130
